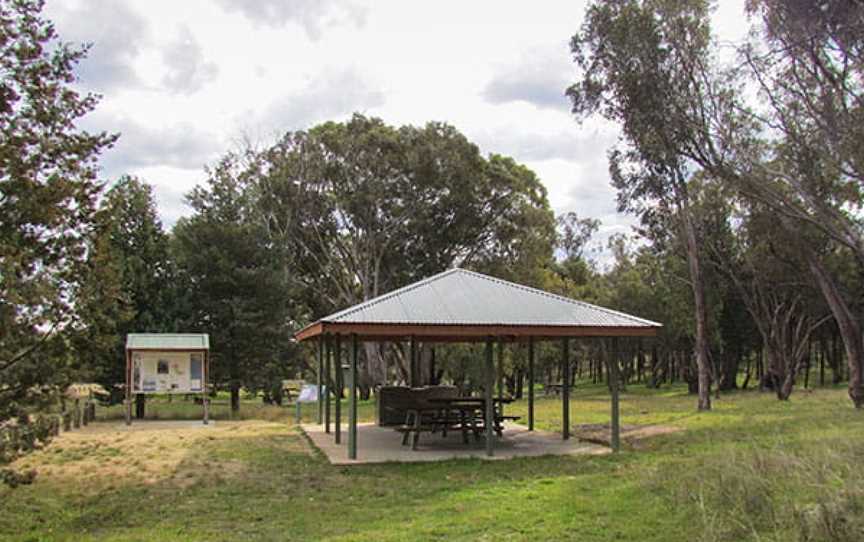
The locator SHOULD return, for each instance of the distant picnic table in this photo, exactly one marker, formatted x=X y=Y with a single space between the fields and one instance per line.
x=553 y=389
x=464 y=414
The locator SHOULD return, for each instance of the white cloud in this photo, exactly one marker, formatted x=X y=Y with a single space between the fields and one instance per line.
x=187 y=69
x=573 y=143
x=539 y=78
x=178 y=145
x=330 y=95
x=312 y=15
x=118 y=35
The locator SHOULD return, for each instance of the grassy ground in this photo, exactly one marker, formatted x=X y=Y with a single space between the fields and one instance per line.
x=753 y=468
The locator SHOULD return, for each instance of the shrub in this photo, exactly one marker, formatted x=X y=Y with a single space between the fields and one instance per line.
x=14 y=479
x=21 y=437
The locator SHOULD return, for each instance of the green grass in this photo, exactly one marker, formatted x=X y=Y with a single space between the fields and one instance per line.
x=161 y=408
x=751 y=469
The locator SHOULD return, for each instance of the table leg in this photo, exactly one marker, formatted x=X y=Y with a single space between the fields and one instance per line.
x=463 y=425
x=416 y=437
x=407 y=433
x=474 y=427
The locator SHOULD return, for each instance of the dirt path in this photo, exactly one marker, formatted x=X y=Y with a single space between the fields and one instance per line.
x=631 y=435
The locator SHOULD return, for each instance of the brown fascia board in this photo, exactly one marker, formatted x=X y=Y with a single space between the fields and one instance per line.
x=468 y=332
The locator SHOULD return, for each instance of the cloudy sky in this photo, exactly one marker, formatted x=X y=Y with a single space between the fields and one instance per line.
x=184 y=81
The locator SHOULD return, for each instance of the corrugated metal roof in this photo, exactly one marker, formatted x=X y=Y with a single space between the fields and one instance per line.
x=462 y=297
x=168 y=341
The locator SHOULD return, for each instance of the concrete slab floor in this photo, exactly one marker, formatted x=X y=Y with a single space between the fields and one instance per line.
x=383 y=444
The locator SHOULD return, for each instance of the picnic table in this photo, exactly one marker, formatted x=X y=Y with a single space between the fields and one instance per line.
x=465 y=414
x=553 y=389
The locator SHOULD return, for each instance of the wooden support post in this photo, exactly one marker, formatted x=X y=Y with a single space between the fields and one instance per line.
x=328 y=362
x=531 y=383
x=613 y=383
x=128 y=401
x=565 y=389
x=500 y=368
x=489 y=415
x=352 y=401
x=413 y=364
x=205 y=401
x=337 y=365
x=320 y=379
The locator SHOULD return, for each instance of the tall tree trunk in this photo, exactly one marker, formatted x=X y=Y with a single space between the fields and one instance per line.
x=375 y=366
x=697 y=281
x=235 y=396
x=850 y=330
x=836 y=359
x=729 y=376
x=784 y=388
x=821 y=361
x=747 y=373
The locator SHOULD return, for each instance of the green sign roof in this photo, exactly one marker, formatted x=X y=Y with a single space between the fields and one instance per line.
x=167 y=341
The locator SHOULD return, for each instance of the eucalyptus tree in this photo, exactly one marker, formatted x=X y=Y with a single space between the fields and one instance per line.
x=808 y=67
x=573 y=236
x=762 y=263
x=517 y=242
x=48 y=190
x=636 y=62
x=796 y=152
x=359 y=208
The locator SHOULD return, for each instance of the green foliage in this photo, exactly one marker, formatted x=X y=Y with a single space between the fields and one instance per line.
x=26 y=435
x=235 y=288
x=359 y=208
x=130 y=283
x=47 y=198
x=14 y=479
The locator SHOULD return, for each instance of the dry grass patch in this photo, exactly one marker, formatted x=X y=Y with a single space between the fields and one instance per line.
x=110 y=455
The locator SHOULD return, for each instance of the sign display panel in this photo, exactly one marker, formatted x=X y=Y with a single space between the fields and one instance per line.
x=167 y=372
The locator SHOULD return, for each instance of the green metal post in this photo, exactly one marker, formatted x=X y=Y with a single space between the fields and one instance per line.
x=337 y=366
x=489 y=415
x=413 y=364
x=613 y=383
x=531 y=383
x=500 y=367
x=352 y=401
x=565 y=389
x=320 y=379
x=328 y=361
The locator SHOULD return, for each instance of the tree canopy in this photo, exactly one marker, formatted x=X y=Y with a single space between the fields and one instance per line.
x=48 y=190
